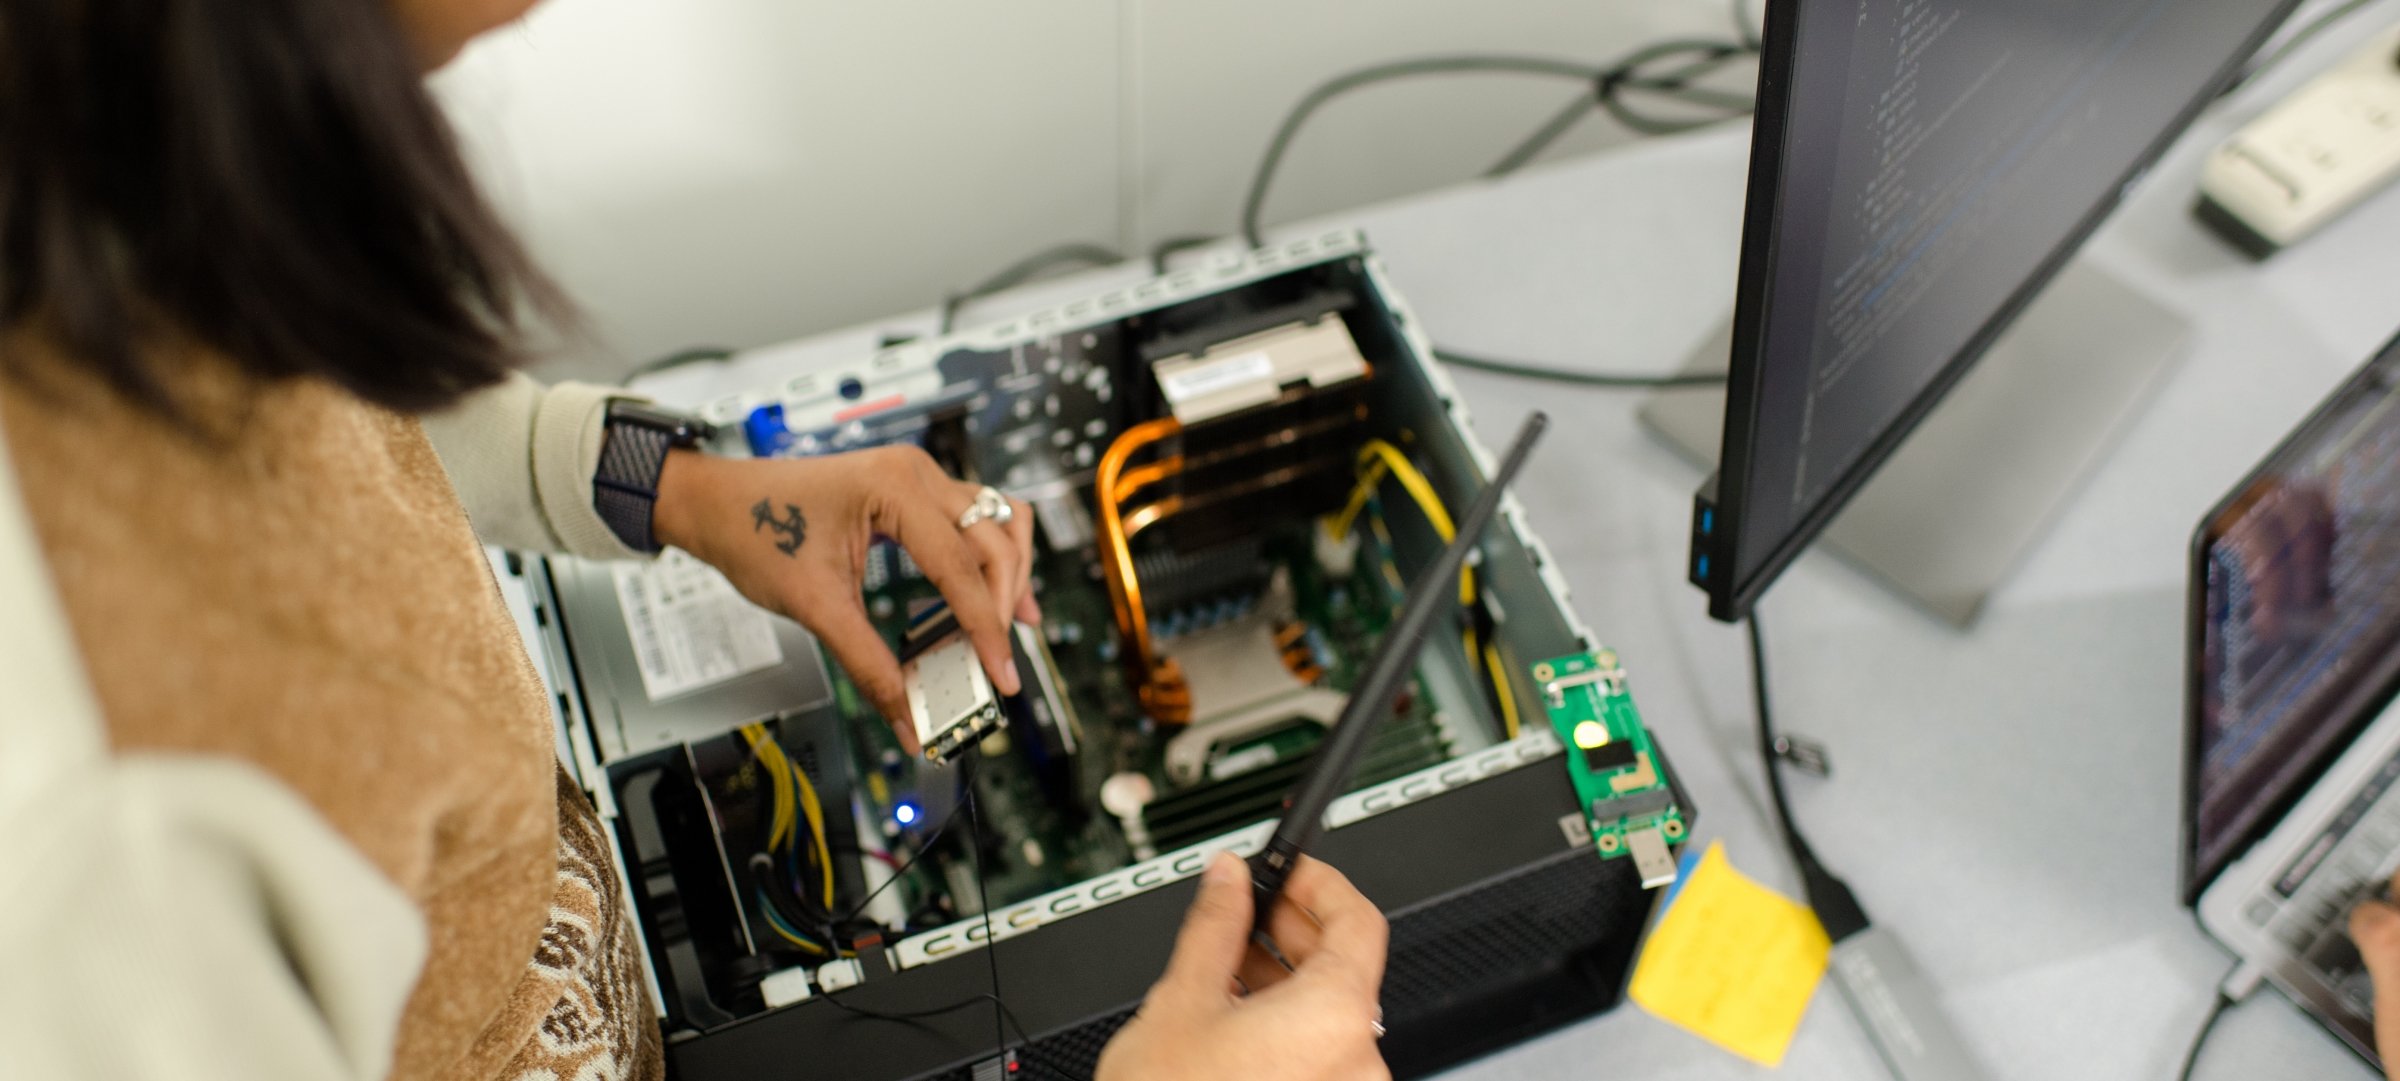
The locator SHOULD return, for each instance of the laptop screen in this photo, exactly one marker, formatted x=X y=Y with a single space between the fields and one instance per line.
x=2296 y=618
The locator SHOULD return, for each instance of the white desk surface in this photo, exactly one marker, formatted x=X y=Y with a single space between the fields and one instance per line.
x=2004 y=799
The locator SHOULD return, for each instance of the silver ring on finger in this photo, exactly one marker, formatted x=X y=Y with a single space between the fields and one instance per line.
x=989 y=506
x=1377 y=1023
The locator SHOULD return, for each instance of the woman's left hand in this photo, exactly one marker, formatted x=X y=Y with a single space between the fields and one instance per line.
x=793 y=535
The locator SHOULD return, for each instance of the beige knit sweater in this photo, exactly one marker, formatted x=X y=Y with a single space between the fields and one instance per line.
x=277 y=788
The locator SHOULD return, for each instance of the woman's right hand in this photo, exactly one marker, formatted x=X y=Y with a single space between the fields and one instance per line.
x=1225 y=1009
x=2375 y=930
x=793 y=534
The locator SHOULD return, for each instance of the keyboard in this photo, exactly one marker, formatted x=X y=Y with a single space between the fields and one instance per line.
x=2307 y=909
x=2335 y=960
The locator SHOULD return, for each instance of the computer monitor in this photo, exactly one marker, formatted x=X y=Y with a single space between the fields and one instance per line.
x=1919 y=170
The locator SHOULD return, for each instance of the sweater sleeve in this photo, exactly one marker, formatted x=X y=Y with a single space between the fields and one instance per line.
x=522 y=456
x=192 y=919
x=171 y=917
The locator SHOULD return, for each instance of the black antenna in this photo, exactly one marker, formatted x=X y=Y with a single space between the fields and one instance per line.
x=1329 y=768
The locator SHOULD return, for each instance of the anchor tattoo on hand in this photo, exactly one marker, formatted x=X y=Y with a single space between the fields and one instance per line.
x=790 y=530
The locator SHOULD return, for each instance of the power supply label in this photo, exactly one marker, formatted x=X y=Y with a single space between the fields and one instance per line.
x=690 y=628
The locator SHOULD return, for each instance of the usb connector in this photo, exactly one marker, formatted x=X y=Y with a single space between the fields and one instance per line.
x=1651 y=858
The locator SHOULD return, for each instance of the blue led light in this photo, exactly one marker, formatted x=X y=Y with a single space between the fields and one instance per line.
x=905 y=814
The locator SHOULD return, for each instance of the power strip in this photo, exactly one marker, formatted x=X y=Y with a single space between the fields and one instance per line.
x=2311 y=158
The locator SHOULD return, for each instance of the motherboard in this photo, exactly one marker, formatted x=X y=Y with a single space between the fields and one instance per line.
x=1232 y=495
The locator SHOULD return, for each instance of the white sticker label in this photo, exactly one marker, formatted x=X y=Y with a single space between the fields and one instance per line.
x=1209 y=377
x=689 y=626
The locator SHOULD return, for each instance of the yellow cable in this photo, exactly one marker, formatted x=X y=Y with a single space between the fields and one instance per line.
x=796 y=940
x=786 y=775
x=1508 y=698
x=1375 y=459
x=760 y=749
x=1340 y=524
x=1414 y=481
x=771 y=756
x=816 y=827
x=787 y=821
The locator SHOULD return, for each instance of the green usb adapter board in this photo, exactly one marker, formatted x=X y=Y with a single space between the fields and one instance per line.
x=1626 y=801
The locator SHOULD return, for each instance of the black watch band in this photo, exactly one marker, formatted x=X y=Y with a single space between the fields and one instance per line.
x=633 y=451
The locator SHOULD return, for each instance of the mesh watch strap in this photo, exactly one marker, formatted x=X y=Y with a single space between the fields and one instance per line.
x=633 y=452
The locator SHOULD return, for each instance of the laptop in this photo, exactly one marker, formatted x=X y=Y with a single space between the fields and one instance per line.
x=2291 y=808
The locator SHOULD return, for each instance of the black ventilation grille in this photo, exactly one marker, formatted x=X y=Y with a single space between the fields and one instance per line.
x=1573 y=918
x=1463 y=948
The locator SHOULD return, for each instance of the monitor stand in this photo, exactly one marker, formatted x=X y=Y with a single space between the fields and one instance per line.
x=1958 y=506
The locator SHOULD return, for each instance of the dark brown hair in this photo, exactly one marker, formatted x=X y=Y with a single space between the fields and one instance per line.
x=265 y=178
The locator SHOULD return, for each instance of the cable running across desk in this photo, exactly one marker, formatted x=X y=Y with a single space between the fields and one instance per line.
x=1609 y=83
x=1837 y=909
x=1745 y=26
x=1024 y=270
x=1886 y=989
x=1608 y=95
x=2191 y=1055
x=1609 y=86
x=2293 y=43
x=1606 y=380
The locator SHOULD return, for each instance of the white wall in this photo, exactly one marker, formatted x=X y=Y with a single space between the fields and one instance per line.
x=739 y=172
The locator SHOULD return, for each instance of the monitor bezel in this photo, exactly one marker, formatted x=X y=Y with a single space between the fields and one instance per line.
x=1731 y=594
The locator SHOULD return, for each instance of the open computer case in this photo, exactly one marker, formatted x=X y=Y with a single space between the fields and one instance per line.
x=1269 y=373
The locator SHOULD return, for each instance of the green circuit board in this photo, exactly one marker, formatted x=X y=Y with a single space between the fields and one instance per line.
x=1627 y=802
x=1066 y=825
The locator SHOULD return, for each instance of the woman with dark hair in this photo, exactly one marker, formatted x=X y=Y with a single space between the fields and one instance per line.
x=278 y=795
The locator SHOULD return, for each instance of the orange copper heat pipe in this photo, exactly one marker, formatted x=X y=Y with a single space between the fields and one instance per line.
x=1143 y=476
x=1123 y=590
x=1150 y=514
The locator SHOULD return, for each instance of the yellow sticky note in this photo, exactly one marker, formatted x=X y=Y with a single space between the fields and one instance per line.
x=1732 y=962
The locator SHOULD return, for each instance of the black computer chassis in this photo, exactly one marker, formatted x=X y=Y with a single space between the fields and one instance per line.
x=1504 y=924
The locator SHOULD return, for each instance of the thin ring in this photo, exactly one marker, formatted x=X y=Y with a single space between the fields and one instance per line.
x=1377 y=1023
x=989 y=506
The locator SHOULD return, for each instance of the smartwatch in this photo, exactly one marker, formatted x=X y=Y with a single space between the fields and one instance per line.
x=633 y=451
